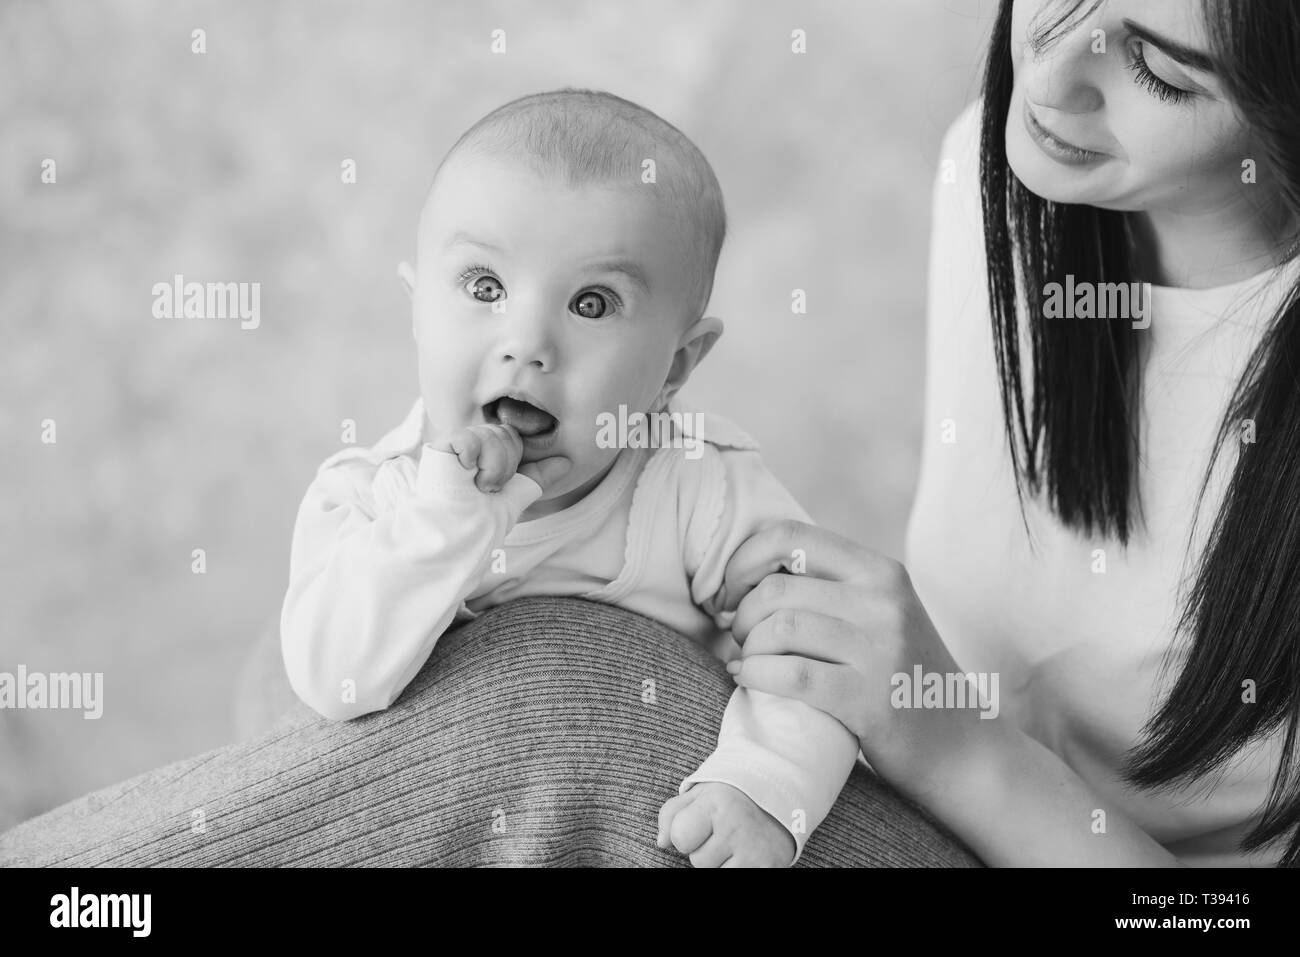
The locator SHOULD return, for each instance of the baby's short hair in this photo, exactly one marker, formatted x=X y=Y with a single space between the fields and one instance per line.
x=589 y=136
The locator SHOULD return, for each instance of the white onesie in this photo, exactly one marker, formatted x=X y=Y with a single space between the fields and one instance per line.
x=394 y=542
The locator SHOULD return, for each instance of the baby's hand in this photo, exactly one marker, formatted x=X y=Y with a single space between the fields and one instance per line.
x=495 y=450
x=717 y=825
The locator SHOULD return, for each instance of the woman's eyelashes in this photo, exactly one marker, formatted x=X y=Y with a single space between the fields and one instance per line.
x=593 y=302
x=1161 y=89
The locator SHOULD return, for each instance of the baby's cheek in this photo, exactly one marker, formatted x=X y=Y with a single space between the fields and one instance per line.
x=589 y=468
x=590 y=451
x=592 y=448
x=447 y=391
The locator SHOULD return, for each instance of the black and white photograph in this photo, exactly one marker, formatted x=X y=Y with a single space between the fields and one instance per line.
x=620 y=434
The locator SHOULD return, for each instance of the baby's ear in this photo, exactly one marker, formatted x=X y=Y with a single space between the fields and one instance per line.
x=691 y=350
x=407 y=275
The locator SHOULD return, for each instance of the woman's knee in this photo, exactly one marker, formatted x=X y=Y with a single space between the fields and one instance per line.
x=565 y=673
x=562 y=633
x=573 y=651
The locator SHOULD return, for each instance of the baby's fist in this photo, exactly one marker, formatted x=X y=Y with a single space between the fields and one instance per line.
x=717 y=825
x=494 y=450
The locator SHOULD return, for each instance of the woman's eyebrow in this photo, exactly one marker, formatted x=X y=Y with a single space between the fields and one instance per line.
x=1196 y=59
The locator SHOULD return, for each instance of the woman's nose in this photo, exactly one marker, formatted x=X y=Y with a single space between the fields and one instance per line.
x=1062 y=73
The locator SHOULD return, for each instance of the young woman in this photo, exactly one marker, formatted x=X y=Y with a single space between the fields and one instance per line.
x=1128 y=560
x=1105 y=522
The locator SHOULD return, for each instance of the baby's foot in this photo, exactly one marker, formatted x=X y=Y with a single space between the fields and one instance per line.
x=717 y=825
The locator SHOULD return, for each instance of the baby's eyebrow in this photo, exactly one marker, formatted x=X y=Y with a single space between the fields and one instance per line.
x=628 y=267
x=463 y=238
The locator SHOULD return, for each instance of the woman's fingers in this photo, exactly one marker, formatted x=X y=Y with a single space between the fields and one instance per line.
x=798 y=631
x=799 y=592
x=833 y=688
x=800 y=548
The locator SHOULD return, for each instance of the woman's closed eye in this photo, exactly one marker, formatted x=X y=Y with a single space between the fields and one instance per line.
x=1144 y=76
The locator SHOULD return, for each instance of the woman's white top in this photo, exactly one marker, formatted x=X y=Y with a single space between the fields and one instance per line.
x=1077 y=627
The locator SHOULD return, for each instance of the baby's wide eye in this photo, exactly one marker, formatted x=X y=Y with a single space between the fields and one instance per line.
x=589 y=305
x=487 y=289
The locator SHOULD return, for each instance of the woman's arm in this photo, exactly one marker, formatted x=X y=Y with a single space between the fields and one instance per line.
x=836 y=635
x=1017 y=804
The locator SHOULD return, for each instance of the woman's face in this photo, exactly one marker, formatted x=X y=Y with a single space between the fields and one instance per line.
x=1124 y=109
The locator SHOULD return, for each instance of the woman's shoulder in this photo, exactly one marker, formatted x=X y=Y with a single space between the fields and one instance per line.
x=959 y=156
x=957 y=218
x=962 y=137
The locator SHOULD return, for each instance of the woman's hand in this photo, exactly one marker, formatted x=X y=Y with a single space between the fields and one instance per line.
x=828 y=622
x=831 y=623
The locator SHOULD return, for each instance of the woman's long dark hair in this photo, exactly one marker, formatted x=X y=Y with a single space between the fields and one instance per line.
x=1073 y=434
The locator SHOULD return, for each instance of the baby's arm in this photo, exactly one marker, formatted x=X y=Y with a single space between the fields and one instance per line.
x=788 y=758
x=382 y=559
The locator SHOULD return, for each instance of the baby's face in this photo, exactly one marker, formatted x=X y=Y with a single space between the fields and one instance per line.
x=542 y=306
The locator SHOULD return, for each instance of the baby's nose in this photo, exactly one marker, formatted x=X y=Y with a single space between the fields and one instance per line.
x=528 y=342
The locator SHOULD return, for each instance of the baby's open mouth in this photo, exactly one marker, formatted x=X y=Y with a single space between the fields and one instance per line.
x=522 y=416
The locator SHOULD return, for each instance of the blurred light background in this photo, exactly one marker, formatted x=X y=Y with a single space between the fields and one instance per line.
x=174 y=435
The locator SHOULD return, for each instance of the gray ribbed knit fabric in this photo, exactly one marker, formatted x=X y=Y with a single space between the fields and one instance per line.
x=525 y=740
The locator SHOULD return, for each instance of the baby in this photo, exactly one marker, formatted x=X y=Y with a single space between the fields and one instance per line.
x=565 y=256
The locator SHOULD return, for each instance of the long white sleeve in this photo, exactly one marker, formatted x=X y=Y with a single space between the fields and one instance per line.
x=789 y=758
x=382 y=558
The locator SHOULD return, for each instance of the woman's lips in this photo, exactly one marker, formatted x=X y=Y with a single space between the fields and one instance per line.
x=1055 y=147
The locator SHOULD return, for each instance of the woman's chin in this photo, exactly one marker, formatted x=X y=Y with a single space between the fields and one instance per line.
x=1047 y=178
